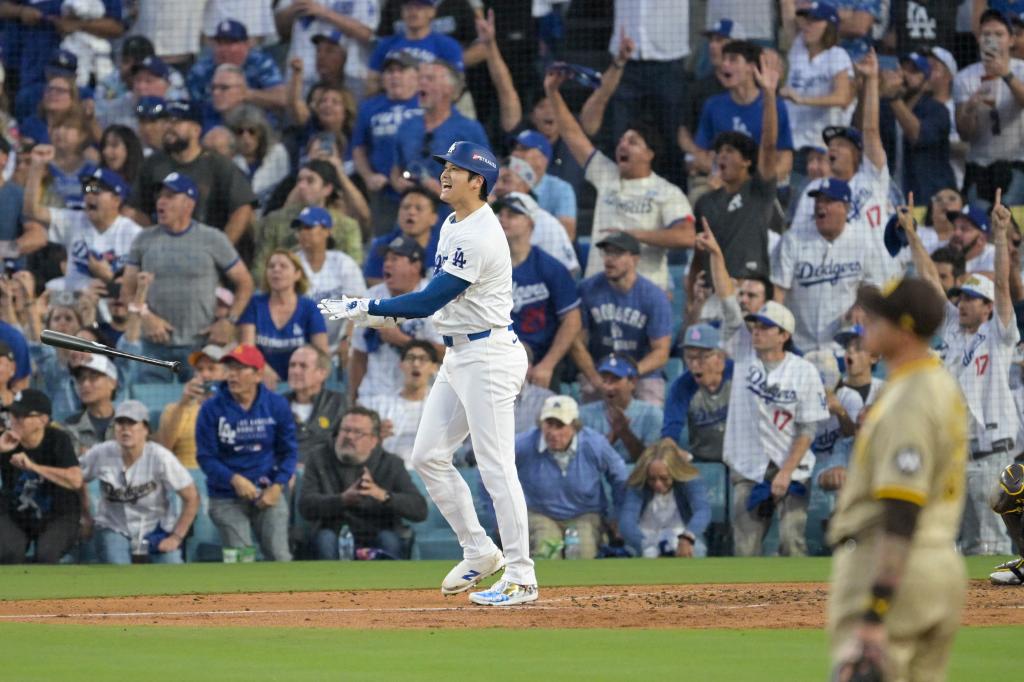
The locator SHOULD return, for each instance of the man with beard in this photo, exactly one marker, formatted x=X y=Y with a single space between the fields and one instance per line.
x=971 y=230
x=360 y=486
x=97 y=239
x=226 y=198
x=925 y=125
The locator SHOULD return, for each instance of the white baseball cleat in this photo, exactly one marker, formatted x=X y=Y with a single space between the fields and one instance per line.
x=469 y=572
x=505 y=593
x=1010 y=573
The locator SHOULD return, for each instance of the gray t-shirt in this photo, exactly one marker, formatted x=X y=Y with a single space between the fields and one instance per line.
x=706 y=422
x=186 y=269
x=740 y=223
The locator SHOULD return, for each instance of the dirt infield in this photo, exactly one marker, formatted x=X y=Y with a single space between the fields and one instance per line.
x=777 y=605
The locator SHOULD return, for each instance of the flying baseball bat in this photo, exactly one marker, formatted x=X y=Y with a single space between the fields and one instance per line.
x=52 y=338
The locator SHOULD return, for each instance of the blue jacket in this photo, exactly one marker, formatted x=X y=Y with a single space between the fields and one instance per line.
x=677 y=402
x=691 y=499
x=581 y=489
x=258 y=443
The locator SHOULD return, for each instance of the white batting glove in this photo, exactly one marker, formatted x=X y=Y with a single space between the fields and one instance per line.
x=345 y=308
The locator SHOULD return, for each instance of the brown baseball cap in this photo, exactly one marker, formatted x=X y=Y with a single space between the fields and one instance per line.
x=910 y=303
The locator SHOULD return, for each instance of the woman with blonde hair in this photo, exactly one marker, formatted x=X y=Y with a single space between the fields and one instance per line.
x=665 y=511
x=282 y=318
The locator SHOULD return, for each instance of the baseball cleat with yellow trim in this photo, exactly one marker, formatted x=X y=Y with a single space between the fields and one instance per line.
x=468 y=572
x=505 y=593
x=1010 y=573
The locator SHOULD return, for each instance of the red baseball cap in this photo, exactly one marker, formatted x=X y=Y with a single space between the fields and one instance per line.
x=247 y=355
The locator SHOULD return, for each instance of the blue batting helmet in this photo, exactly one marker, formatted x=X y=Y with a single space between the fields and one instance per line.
x=475 y=158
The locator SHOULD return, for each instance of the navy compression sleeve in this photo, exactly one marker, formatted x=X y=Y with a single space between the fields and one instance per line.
x=443 y=288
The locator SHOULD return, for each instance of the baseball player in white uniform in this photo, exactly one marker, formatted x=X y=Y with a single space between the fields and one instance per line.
x=470 y=299
x=979 y=336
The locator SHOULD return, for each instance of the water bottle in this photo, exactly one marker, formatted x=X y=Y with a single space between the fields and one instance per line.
x=572 y=543
x=346 y=544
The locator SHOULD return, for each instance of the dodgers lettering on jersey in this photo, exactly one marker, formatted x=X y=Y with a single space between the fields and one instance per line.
x=475 y=250
x=624 y=322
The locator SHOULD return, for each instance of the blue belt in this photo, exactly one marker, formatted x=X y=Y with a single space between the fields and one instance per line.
x=449 y=341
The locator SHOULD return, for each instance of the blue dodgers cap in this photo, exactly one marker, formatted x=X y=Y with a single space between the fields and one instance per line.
x=844 y=132
x=977 y=215
x=895 y=237
x=333 y=37
x=531 y=139
x=151 y=108
x=702 y=336
x=992 y=14
x=185 y=110
x=919 y=61
x=844 y=337
x=820 y=11
x=475 y=158
x=831 y=188
x=181 y=184
x=107 y=179
x=727 y=28
x=153 y=65
x=619 y=365
x=62 y=63
x=231 y=30
x=311 y=216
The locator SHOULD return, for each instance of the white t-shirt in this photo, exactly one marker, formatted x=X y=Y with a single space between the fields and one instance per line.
x=764 y=410
x=76 y=233
x=829 y=432
x=651 y=203
x=256 y=15
x=660 y=521
x=366 y=12
x=983 y=262
x=981 y=364
x=340 y=274
x=383 y=374
x=986 y=147
x=173 y=27
x=404 y=416
x=550 y=235
x=822 y=278
x=475 y=250
x=134 y=500
x=660 y=28
x=814 y=78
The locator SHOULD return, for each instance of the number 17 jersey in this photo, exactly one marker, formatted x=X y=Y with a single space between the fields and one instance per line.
x=475 y=250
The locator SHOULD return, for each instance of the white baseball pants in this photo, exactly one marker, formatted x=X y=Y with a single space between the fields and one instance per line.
x=474 y=394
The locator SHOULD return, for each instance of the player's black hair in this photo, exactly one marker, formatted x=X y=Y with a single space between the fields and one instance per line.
x=424 y=346
x=769 y=288
x=649 y=132
x=417 y=189
x=929 y=216
x=744 y=48
x=741 y=142
x=484 y=189
x=948 y=255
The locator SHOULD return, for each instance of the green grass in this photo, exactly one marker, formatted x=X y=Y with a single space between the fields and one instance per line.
x=56 y=582
x=170 y=653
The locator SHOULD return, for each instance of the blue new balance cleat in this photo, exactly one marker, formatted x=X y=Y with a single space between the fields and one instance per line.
x=469 y=572
x=505 y=593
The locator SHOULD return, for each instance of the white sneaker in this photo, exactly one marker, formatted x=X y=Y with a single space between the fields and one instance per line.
x=1009 y=573
x=469 y=572
x=505 y=593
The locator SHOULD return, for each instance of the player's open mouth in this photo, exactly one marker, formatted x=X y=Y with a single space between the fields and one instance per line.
x=820 y=214
x=446 y=185
x=416 y=374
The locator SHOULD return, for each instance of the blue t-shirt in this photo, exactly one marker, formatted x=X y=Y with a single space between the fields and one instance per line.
x=542 y=291
x=556 y=196
x=376 y=126
x=721 y=114
x=624 y=322
x=275 y=343
x=434 y=47
x=15 y=340
x=27 y=49
x=261 y=72
x=412 y=137
x=374 y=265
x=68 y=186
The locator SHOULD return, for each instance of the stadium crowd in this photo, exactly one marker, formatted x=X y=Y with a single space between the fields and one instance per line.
x=694 y=198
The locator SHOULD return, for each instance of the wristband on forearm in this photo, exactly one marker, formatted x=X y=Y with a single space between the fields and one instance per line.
x=878 y=603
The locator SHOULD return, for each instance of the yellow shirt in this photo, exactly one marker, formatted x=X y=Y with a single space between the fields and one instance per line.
x=912 y=447
x=182 y=439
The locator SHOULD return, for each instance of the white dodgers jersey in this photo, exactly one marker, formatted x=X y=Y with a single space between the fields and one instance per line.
x=475 y=250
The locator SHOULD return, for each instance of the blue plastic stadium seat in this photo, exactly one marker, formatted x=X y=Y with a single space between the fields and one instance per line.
x=818 y=511
x=156 y=396
x=434 y=538
x=204 y=543
x=716 y=478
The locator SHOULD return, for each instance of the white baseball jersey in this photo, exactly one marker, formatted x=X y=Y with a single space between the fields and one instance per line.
x=340 y=274
x=983 y=262
x=475 y=250
x=549 y=234
x=134 y=500
x=822 y=278
x=404 y=416
x=829 y=432
x=366 y=12
x=651 y=203
x=383 y=374
x=76 y=233
x=814 y=78
x=987 y=147
x=764 y=410
x=981 y=364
